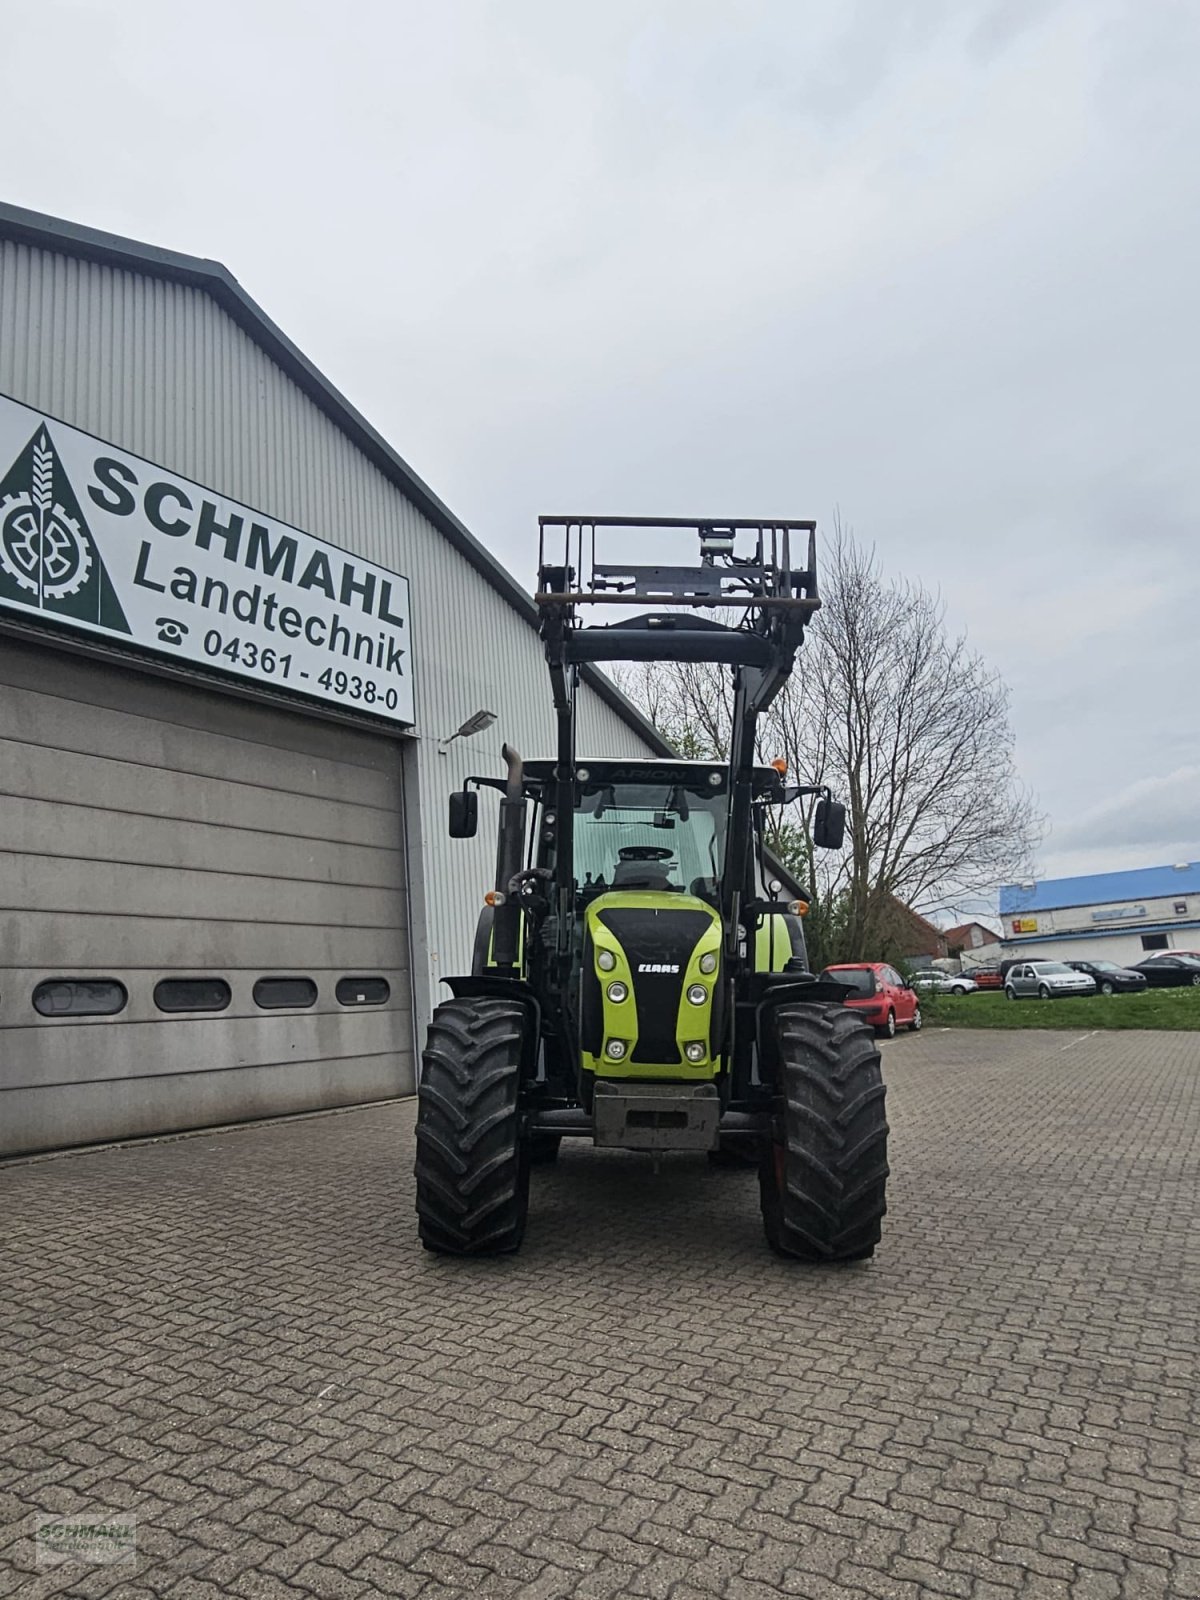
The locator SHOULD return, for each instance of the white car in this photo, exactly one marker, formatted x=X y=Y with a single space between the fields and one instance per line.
x=944 y=982
x=1048 y=980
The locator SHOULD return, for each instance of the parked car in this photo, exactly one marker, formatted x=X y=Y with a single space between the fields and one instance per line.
x=1109 y=978
x=987 y=977
x=880 y=994
x=1170 y=970
x=944 y=982
x=1047 y=980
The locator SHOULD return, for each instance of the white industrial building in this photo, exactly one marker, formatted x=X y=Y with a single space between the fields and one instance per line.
x=235 y=631
x=1110 y=916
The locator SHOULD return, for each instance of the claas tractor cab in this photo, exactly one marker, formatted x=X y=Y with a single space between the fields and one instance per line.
x=635 y=981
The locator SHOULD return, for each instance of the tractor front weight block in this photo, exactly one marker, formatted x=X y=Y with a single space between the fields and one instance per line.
x=656 y=1116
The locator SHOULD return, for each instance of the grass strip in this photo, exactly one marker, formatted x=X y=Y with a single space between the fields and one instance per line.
x=1177 y=1010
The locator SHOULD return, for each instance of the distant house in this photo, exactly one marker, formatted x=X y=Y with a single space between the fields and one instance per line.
x=908 y=934
x=971 y=938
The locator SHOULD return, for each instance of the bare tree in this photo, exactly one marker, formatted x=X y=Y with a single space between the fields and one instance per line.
x=917 y=730
x=690 y=703
x=907 y=725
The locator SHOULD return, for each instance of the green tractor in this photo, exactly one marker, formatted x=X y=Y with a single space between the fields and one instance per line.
x=634 y=982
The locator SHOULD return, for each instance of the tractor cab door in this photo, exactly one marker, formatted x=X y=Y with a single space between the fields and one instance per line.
x=780 y=939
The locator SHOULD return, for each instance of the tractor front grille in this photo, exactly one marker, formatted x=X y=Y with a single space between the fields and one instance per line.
x=656 y=938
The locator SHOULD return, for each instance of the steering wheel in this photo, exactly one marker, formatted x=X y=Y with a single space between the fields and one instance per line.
x=644 y=852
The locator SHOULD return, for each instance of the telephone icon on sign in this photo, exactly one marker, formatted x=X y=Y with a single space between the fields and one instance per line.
x=170 y=631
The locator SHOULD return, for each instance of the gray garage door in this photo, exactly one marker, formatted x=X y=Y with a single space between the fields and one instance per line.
x=202 y=907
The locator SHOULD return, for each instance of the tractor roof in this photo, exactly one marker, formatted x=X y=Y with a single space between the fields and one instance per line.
x=649 y=769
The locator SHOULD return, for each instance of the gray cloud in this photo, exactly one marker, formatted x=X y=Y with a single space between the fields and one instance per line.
x=934 y=263
x=1156 y=815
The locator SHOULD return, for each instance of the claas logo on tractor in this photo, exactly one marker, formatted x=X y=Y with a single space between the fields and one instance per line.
x=636 y=980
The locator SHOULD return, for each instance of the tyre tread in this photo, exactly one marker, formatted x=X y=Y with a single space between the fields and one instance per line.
x=472 y=1163
x=831 y=1136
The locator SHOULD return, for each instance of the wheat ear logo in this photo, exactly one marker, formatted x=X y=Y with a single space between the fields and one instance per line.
x=48 y=558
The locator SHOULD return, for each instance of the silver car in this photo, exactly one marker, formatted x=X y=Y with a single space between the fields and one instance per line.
x=943 y=982
x=1045 y=980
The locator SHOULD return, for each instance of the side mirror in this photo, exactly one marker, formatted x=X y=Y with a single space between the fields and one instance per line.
x=464 y=814
x=829 y=825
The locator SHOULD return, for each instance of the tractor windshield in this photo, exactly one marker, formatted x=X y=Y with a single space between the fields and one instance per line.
x=664 y=835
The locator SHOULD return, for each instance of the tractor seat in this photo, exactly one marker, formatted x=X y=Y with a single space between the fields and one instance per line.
x=704 y=889
x=640 y=875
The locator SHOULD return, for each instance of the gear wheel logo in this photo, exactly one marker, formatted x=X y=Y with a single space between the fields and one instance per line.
x=49 y=558
x=43 y=548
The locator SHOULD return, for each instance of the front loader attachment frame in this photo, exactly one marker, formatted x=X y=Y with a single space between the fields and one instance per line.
x=772 y=599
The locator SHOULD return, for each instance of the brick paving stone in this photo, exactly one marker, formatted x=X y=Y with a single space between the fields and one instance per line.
x=237 y=1337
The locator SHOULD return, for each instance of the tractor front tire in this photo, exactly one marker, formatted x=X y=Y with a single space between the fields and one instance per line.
x=823 y=1173
x=472 y=1163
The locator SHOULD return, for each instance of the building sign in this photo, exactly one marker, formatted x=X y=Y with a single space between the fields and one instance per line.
x=1024 y=925
x=96 y=539
x=1121 y=914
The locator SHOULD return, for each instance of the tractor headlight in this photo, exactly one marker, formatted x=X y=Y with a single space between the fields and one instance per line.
x=618 y=992
x=605 y=960
x=708 y=961
x=697 y=994
x=615 y=1049
x=694 y=1051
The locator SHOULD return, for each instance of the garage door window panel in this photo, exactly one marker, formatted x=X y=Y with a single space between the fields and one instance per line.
x=192 y=994
x=280 y=994
x=80 y=997
x=363 y=991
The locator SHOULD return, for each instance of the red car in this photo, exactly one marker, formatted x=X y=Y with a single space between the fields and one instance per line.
x=881 y=994
x=986 y=977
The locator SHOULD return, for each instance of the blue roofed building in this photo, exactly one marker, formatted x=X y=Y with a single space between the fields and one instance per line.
x=1118 y=916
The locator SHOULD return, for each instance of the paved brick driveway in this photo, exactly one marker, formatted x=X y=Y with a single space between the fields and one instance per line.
x=237 y=1337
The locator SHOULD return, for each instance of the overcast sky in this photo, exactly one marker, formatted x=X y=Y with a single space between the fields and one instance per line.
x=936 y=263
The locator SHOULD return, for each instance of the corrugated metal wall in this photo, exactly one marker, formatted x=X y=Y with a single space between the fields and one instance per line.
x=160 y=369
